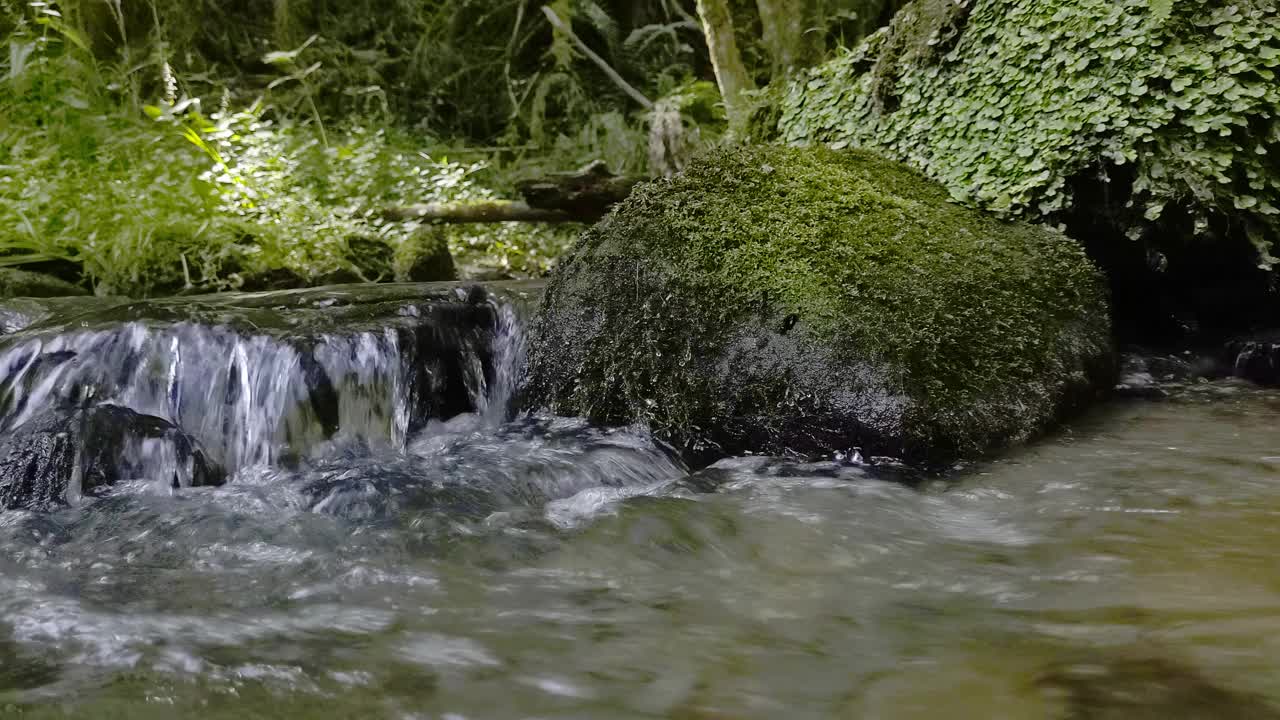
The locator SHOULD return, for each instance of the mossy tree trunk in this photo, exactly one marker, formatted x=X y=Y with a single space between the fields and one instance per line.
x=282 y=24
x=726 y=59
x=791 y=36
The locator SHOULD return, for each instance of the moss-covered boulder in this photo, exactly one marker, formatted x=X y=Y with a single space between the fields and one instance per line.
x=425 y=257
x=1150 y=128
x=806 y=300
x=20 y=283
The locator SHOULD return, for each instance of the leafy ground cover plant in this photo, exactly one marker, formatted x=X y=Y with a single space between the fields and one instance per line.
x=1006 y=102
x=171 y=196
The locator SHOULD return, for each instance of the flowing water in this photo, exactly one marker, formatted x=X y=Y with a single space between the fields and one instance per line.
x=405 y=565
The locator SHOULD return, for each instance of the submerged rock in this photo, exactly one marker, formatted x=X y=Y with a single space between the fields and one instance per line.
x=807 y=301
x=1147 y=689
x=58 y=455
x=453 y=474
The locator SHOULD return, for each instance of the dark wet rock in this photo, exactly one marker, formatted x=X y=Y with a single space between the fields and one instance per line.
x=268 y=377
x=1152 y=376
x=68 y=271
x=21 y=283
x=48 y=456
x=1147 y=689
x=777 y=301
x=1256 y=358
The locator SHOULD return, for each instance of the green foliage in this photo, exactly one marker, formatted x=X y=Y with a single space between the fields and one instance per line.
x=112 y=163
x=941 y=326
x=699 y=103
x=1009 y=104
x=484 y=70
x=847 y=22
x=174 y=199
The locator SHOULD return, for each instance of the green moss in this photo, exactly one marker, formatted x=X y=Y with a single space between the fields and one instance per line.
x=424 y=257
x=766 y=284
x=1007 y=102
x=20 y=283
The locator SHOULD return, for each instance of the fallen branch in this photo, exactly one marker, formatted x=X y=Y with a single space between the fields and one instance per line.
x=582 y=196
x=480 y=212
x=588 y=192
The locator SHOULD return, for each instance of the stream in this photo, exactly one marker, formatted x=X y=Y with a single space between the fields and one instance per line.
x=390 y=542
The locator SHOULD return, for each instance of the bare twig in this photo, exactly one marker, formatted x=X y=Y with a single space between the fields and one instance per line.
x=599 y=61
x=511 y=50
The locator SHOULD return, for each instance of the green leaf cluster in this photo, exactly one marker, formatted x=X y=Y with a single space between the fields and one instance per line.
x=1015 y=98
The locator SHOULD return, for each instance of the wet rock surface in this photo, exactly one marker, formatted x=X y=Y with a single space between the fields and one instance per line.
x=59 y=456
x=1256 y=358
x=22 y=312
x=1154 y=376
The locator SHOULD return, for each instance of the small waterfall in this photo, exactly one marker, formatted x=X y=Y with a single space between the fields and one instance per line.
x=250 y=400
x=494 y=396
x=261 y=383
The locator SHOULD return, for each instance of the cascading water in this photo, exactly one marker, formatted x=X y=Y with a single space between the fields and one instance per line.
x=317 y=386
x=493 y=400
x=384 y=540
x=255 y=384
